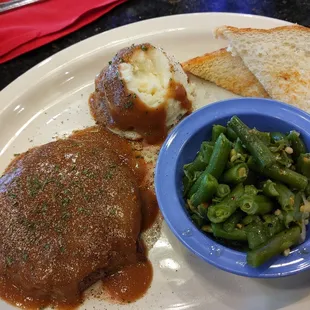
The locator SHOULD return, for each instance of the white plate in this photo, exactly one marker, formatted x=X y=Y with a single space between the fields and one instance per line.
x=51 y=100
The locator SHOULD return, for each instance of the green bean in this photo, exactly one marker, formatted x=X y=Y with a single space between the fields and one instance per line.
x=238 y=147
x=273 y=224
x=256 y=205
x=217 y=162
x=235 y=234
x=198 y=221
x=189 y=181
x=257 y=234
x=284 y=159
x=293 y=215
x=277 y=147
x=232 y=221
x=222 y=190
x=250 y=190
x=285 y=198
x=263 y=136
x=201 y=161
x=216 y=131
x=291 y=178
x=269 y=188
x=194 y=188
x=243 y=216
x=202 y=211
x=236 y=174
x=276 y=245
x=250 y=219
x=279 y=137
x=205 y=191
x=296 y=143
x=236 y=158
x=220 y=212
x=253 y=144
x=231 y=135
x=219 y=156
x=303 y=164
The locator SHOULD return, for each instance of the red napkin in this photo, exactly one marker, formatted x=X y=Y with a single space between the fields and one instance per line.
x=34 y=25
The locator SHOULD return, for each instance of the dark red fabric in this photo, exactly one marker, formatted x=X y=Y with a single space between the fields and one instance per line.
x=34 y=25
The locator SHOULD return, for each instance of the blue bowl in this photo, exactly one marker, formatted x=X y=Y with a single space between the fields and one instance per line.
x=181 y=147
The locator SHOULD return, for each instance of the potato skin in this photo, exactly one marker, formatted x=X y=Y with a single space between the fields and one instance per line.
x=120 y=100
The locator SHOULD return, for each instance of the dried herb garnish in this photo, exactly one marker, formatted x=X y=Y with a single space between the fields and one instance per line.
x=9 y=261
x=34 y=186
x=12 y=195
x=108 y=175
x=25 y=257
x=128 y=105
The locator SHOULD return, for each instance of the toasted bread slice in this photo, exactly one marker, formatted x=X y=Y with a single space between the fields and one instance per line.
x=278 y=57
x=226 y=71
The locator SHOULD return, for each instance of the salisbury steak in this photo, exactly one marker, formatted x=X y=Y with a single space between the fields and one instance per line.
x=69 y=212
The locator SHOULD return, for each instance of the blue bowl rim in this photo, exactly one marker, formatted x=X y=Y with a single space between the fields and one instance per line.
x=182 y=227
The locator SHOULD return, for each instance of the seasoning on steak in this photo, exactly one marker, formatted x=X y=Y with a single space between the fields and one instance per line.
x=69 y=214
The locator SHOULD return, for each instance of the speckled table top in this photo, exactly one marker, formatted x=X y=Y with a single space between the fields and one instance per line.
x=297 y=11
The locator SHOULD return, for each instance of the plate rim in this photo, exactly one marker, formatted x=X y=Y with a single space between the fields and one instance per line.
x=52 y=63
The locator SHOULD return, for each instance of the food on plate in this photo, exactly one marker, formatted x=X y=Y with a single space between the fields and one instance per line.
x=278 y=57
x=72 y=212
x=141 y=93
x=78 y=210
x=81 y=208
x=250 y=190
x=275 y=60
x=226 y=71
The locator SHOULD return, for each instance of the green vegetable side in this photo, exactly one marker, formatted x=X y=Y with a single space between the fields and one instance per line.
x=250 y=190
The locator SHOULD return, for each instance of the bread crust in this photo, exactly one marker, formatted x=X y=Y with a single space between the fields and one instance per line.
x=219 y=31
x=226 y=71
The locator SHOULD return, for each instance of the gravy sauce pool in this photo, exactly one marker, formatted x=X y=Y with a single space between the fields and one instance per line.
x=131 y=281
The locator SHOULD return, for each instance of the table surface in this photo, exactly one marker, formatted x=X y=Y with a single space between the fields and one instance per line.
x=297 y=11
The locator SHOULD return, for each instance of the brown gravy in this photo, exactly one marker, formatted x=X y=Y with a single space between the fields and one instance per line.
x=149 y=208
x=134 y=276
x=130 y=283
